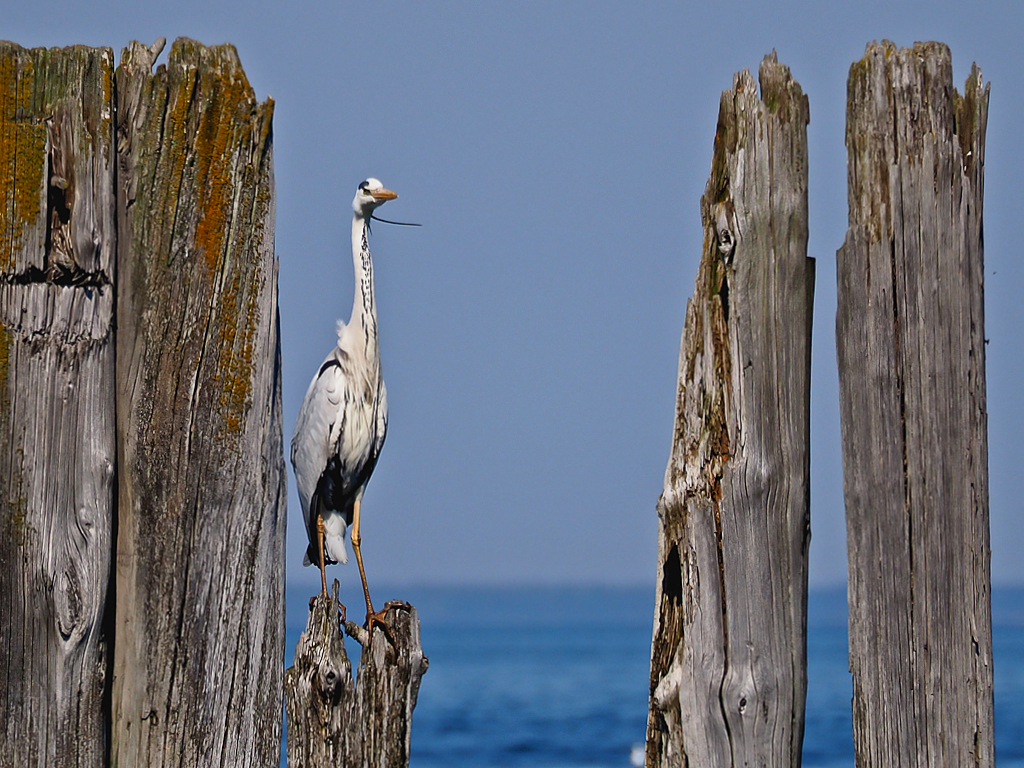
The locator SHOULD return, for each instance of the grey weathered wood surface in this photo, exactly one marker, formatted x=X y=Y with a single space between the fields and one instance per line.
x=728 y=666
x=57 y=447
x=911 y=351
x=199 y=635
x=333 y=720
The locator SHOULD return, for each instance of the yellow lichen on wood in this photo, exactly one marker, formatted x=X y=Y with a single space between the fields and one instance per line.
x=108 y=94
x=196 y=341
x=203 y=162
x=233 y=197
x=240 y=318
x=228 y=109
x=22 y=154
x=214 y=149
x=237 y=335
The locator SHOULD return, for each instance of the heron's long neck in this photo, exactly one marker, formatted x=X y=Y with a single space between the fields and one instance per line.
x=364 y=304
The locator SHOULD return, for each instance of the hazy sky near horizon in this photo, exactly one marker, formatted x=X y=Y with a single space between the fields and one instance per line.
x=555 y=154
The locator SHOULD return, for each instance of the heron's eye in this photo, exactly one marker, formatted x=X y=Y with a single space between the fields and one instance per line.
x=364 y=186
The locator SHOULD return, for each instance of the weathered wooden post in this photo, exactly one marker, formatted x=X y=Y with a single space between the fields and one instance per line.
x=199 y=639
x=57 y=442
x=335 y=720
x=911 y=351
x=728 y=660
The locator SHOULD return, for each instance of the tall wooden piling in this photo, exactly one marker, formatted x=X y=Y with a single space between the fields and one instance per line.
x=199 y=643
x=57 y=446
x=728 y=666
x=910 y=340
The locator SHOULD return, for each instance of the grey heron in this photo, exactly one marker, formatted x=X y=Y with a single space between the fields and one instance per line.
x=344 y=417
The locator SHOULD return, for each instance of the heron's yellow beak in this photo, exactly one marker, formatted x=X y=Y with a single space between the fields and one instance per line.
x=383 y=194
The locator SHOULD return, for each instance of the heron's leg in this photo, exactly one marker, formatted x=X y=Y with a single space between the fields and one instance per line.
x=356 y=541
x=320 y=549
x=372 y=617
x=323 y=567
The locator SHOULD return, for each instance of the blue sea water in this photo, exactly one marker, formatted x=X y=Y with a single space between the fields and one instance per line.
x=558 y=677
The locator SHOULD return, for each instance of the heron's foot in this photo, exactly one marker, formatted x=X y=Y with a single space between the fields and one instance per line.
x=377 y=618
x=341 y=607
x=364 y=634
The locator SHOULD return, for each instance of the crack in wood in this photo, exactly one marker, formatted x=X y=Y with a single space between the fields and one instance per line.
x=66 y=277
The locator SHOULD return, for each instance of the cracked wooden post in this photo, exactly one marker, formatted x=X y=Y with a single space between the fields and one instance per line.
x=199 y=637
x=57 y=446
x=910 y=338
x=728 y=659
x=333 y=720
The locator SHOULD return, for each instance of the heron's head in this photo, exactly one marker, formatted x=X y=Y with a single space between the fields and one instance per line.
x=369 y=196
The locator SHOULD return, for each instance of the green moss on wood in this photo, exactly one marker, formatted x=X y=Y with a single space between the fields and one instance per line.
x=725 y=142
x=970 y=111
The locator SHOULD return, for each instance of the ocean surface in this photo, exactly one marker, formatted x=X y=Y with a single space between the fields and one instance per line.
x=558 y=677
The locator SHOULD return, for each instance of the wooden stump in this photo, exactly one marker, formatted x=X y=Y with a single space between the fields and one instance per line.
x=728 y=660
x=333 y=720
x=910 y=338
x=57 y=442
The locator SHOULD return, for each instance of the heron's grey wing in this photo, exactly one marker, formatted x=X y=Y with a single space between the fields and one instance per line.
x=382 y=419
x=312 y=444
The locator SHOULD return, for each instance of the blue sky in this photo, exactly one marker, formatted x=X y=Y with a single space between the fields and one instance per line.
x=555 y=154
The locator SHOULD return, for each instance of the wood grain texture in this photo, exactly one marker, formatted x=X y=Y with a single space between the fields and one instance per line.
x=199 y=649
x=911 y=352
x=57 y=446
x=334 y=720
x=728 y=666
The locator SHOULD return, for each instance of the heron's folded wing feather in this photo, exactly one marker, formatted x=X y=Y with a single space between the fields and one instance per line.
x=382 y=419
x=312 y=443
